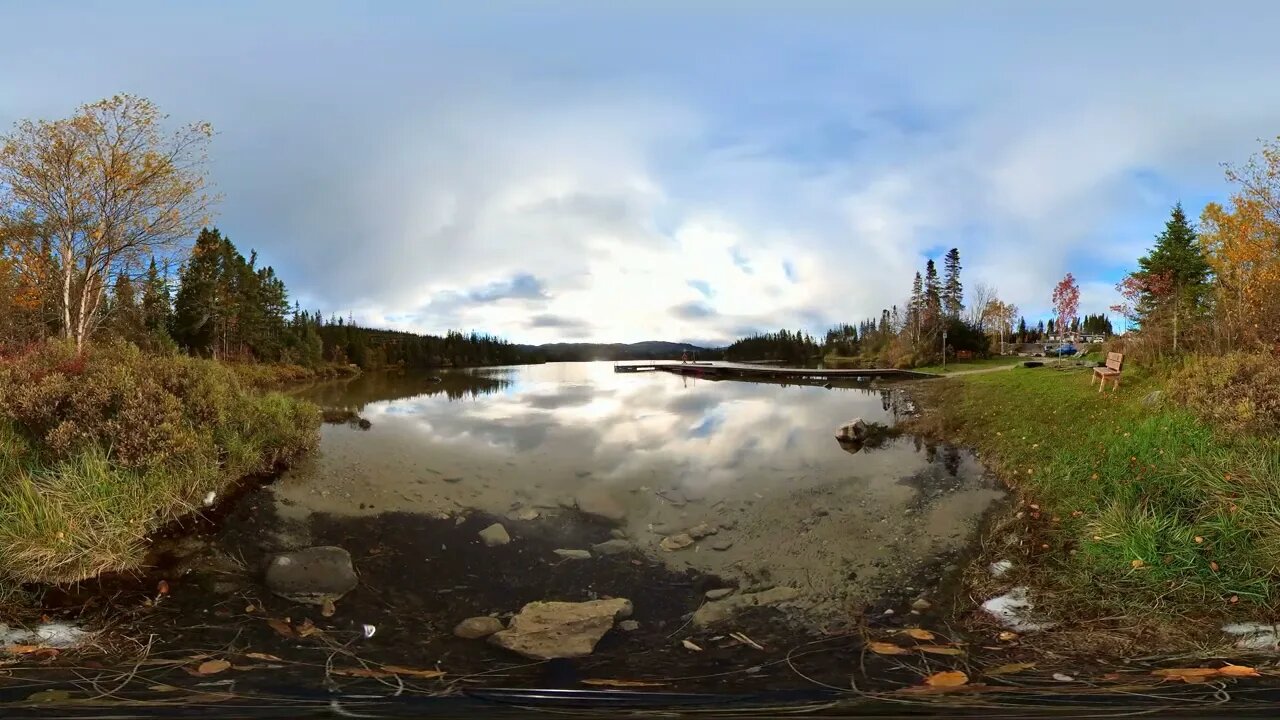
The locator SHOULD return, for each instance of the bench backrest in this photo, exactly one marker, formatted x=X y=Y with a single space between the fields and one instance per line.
x=1115 y=360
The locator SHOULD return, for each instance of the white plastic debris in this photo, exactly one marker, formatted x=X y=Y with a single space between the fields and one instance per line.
x=208 y=499
x=1000 y=567
x=55 y=635
x=1254 y=635
x=369 y=630
x=1014 y=611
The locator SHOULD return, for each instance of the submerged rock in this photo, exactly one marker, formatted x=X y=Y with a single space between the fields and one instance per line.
x=720 y=610
x=312 y=575
x=525 y=515
x=474 y=628
x=855 y=430
x=599 y=504
x=628 y=626
x=549 y=630
x=573 y=554
x=675 y=542
x=495 y=535
x=701 y=530
x=612 y=547
x=722 y=544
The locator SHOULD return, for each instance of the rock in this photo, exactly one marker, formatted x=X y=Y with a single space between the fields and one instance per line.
x=719 y=610
x=722 y=544
x=921 y=604
x=675 y=542
x=600 y=505
x=452 y=480
x=612 y=547
x=719 y=593
x=548 y=630
x=855 y=430
x=364 y=424
x=628 y=626
x=729 y=523
x=495 y=535
x=526 y=515
x=474 y=628
x=618 y=534
x=312 y=575
x=1152 y=398
x=701 y=530
x=574 y=554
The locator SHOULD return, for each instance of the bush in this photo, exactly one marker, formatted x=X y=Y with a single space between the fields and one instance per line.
x=99 y=449
x=1237 y=391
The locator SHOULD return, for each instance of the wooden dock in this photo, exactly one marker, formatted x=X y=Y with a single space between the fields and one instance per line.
x=746 y=371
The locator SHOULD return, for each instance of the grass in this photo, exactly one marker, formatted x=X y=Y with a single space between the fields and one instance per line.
x=961 y=365
x=99 y=450
x=1126 y=508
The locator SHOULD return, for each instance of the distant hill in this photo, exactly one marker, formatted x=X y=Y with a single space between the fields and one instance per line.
x=647 y=350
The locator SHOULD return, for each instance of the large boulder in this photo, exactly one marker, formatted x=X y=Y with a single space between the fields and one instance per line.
x=549 y=630
x=599 y=504
x=312 y=575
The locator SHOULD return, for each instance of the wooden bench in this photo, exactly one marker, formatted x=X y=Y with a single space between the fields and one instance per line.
x=964 y=354
x=1111 y=371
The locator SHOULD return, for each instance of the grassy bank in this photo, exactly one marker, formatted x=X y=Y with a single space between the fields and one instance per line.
x=98 y=450
x=1131 y=506
x=997 y=361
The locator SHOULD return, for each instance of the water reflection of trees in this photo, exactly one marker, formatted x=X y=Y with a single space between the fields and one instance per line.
x=380 y=386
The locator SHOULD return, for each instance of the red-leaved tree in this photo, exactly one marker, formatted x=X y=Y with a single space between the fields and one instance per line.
x=1066 y=301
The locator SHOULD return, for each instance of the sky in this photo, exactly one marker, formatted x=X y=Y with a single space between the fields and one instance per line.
x=626 y=171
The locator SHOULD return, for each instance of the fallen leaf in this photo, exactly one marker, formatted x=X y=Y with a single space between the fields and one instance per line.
x=601 y=682
x=425 y=674
x=918 y=633
x=163 y=688
x=1238 y=671
x=30 y=650
x=884 y=648
x=281 y=627
x=262 y=656
x=1136 y=564
x=1185 y=672
x=1010 y=669
x=162 y=587
x=49 y=696
x=212 y=667
x=306 y=628
x=328 y=608
x=948 y=679
x=360 y=672
x=1112 y=676
x=1061 y=677
x=250 y=608
x=1008 y=636
x=690 y=645
x=1199 y=540
x=939 y=650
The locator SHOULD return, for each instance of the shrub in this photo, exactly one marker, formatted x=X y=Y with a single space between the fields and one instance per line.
x=97 y=450
x=1237 y=391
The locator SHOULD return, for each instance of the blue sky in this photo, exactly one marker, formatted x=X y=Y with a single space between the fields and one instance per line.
x=628 y=171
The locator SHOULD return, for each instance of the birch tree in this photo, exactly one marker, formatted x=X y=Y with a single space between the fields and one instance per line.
x=103 y=190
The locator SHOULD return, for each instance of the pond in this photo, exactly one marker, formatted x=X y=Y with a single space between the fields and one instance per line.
x=673 y=485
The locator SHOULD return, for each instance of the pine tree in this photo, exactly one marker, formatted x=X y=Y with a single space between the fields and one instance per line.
x=952 y=289
x=157 y=307
x=1174 y=275
x=197 y=307
x=915 y=312
x=932 y=296
x=124 y=317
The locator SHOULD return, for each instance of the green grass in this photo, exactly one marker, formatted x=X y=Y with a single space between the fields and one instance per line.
x=98 y=451
x=961 y=365
x=1124 y=490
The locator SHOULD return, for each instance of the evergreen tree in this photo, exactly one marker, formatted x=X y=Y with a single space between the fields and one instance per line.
x=932 y=295
x=124 y=317
x=197 y=307
x=952 y=289
x=1174 y=276
x=157 y=307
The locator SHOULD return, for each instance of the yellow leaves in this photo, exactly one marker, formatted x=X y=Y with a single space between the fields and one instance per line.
x=1137 y=564
x=948 y=679
x=387 y=671
x=212 y=667
x=1008 y=636
x=884 y=648
x=1201 y=674
x=262 y=656
x=939 y=650
x=1238 y=671
x=918 y=633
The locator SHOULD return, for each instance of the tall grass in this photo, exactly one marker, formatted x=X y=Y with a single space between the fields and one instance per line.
x=99 y=450
x=1144 y=507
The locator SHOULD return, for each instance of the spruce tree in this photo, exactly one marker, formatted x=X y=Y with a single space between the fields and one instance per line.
x=932 y=295
x=1175 y=276
x=952 y=289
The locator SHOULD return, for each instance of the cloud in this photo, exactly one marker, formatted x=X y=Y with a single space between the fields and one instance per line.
x=602 y=172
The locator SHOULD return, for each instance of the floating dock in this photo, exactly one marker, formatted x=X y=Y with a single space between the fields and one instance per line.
x=749 y=371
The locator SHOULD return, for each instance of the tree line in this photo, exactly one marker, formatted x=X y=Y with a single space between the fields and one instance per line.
x=95 y=213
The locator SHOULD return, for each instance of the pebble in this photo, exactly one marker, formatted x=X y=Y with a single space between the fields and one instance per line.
x=676 y=542
x=719 y=593
x=628 y=626
x=474 y=628
x=494 y=535
x=701 y=530
x=722 y=544
x=921 y=604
